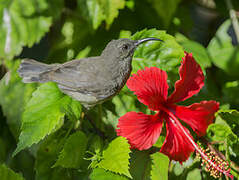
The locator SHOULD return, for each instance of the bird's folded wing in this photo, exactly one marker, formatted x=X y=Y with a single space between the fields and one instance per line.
x=81 y=75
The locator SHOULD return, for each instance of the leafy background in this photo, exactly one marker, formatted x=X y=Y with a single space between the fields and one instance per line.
x=51 y=135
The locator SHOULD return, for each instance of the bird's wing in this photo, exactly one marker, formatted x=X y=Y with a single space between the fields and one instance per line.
x=85 y=75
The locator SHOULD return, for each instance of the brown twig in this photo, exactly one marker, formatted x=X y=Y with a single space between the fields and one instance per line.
x=216 y=142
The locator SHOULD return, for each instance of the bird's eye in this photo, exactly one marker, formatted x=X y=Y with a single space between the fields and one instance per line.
x=125 y=47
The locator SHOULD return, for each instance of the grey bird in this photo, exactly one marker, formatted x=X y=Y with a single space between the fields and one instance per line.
x=89 y=80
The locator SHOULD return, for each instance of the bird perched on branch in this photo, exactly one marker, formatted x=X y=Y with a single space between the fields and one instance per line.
x=89 y=80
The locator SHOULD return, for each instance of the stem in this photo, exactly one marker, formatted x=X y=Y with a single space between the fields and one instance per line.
x=69 y=130
x=100 y=124
x=98 y=131
x=67 y=134
x=204 y=156
x=233 y=17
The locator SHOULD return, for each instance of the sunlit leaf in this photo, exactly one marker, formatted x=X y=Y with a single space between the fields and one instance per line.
x=194 y=174
x=84 y=53
x=101 y=174
x=23 y=23
x=124 y=34
x=160 y=163
x=98 y=11
x=116 y=157
x=44 y=112
x=166 y=55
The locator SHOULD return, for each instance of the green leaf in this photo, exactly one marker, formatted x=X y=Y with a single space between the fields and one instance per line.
x=165 y=9
x=195 y=174
x=111 y=10
x=222 y=52
x=46 y=157
x=73 y=35
x=140 y=165
x=230 y=91
x=124 y=34
x=73 y=110
x=83 y=53
x=166 y=55
x=180 y=37
x=101 y=174
x=124 y=102
x=223 y=133
x=159 y=166
x=199 y=52
x=116 y=157
x=232 y=119
x=8 y=174
x=98 y=11
x=160 y=141
x=23 y=23
x=73 y=152
x=220 y=132
x=96 y=144
x=3 y=150
x=13 y=90
x=178 y=169
x=44 y=113
x=121 y=107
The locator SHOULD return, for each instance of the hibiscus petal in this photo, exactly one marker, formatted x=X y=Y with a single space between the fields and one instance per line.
x=176 y=145
x=150 y=86
x=198 y=115
x=141 y=130
x=190 y=82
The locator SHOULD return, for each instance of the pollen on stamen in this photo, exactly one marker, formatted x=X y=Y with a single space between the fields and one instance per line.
x=212 y=163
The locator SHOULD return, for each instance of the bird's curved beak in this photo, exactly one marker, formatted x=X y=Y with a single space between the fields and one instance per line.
x=138 y=42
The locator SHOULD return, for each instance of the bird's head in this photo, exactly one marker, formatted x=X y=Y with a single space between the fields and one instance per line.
x=123 y=49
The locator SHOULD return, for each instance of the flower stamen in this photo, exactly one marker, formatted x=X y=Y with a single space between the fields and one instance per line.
x=217 y=161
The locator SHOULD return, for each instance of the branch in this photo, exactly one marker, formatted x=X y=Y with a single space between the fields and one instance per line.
x=233 y=17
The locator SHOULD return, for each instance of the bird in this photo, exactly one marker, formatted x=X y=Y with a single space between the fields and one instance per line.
x=90 y=80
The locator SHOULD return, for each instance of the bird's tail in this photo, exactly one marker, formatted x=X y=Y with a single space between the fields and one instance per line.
x=34 y=71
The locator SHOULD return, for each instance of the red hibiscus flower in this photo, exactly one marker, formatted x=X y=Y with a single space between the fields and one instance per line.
x=151 y=88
